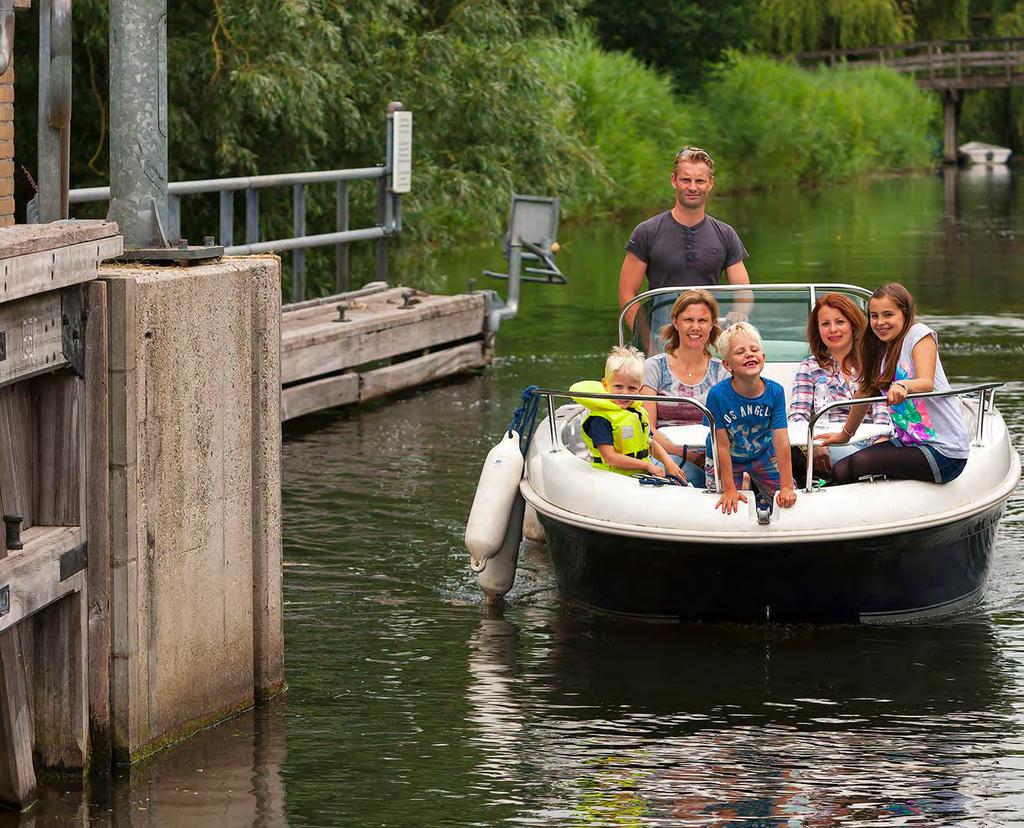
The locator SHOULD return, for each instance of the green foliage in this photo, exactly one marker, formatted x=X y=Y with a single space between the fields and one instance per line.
x=772 y=123
x=808 y=25
x=683 y=38
x=507 y=95
x=627 y=118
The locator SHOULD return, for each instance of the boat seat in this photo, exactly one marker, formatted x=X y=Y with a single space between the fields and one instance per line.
x=783 y=373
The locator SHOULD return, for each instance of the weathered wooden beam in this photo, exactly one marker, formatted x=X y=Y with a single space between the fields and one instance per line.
x=60 y=684
x=331 y=347
x=16 y=442
x=96 y=508
x=17 y=774
x=317 y=395
x=60 y=449
x=30 y=337
x=25 y=239
x=32 y=576
x=424 y=369
x=50 y=269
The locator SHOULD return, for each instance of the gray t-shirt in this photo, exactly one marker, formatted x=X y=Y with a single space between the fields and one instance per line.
x=934 y=421
x=679 y=255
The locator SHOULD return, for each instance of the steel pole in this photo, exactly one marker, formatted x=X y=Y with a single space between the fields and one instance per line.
x=138 y=121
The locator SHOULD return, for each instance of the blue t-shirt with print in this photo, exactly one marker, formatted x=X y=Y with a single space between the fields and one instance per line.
x=750 y=421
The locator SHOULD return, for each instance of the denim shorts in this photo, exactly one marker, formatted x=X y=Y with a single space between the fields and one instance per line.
x=944 y=468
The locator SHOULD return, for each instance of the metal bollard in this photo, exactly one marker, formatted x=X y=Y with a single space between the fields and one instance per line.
x=12 y=535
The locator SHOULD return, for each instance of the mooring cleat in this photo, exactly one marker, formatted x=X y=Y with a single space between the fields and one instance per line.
x=764 y=510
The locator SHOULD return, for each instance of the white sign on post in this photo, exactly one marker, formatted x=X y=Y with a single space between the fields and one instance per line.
x=401 y=152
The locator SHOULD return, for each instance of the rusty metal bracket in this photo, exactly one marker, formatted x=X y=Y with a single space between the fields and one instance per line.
x=74 y=560
x=5 y=599
x=72 y=317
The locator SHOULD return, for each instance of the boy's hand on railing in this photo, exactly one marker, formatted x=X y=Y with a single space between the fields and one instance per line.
x=730 y=500
x=787 y=497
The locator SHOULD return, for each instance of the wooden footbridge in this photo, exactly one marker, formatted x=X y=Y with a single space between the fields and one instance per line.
x=950 y=67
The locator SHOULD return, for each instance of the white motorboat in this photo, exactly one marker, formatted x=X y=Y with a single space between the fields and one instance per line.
x=978 y=152
x=872 y=551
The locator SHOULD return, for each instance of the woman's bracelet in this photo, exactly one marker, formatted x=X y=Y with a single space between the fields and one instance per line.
x=902 y=385
x=847 y=431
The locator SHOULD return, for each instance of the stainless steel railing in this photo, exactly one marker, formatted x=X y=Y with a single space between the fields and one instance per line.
x=986 y=398
x=812 y=293
x=985 y=391
x=556 y=443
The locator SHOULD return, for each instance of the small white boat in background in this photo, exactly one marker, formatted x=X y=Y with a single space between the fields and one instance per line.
x=978 y=152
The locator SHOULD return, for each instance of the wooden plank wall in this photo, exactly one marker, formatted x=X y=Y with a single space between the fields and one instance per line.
x=389 y=341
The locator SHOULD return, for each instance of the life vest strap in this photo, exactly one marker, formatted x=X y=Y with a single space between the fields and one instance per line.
x=643 y=454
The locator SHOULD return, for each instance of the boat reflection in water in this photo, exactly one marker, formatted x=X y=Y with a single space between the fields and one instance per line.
x=700 y=725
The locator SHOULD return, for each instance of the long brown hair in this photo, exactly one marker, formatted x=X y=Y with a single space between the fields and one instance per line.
x=877 y=356
x=691 y=297
x=854 y=315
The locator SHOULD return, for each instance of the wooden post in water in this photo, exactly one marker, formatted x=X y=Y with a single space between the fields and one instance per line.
x=952 y=100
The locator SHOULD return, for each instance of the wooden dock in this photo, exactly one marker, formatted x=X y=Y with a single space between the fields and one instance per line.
x=355 y=347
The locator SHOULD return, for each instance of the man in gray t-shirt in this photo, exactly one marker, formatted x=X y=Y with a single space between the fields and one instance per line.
x=683 y=246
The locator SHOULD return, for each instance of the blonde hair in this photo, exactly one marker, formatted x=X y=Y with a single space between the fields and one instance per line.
x=724 y=341
x=627 y=360
x=694 y=155
x=691 y=297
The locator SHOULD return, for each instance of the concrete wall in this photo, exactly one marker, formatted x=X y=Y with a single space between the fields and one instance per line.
x=195 y=491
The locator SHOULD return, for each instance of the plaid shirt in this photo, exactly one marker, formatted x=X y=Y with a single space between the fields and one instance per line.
x=814 y=387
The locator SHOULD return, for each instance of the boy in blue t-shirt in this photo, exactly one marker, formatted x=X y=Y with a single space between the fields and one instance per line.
x=750 y=417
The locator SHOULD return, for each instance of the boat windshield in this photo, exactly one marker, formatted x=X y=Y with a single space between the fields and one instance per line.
x=779 y=312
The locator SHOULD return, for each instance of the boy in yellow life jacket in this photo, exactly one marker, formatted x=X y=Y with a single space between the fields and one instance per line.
x=618 y=432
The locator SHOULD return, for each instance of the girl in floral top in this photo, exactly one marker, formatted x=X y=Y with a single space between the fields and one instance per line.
x=686 y=369
x=834 y=331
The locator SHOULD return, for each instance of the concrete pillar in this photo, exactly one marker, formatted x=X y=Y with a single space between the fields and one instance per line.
x=952 y=100
x=195 y=495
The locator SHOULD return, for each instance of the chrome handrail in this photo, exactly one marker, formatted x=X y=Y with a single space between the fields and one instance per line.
x=981 y=390
x=551 y=393
x=812 y=290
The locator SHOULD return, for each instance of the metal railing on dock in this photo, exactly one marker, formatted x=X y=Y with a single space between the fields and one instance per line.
x=388 y=220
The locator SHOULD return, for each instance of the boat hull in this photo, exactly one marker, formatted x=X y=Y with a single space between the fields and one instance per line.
x=923 y=573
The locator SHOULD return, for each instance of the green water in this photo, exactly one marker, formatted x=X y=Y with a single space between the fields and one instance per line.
x=409 y=706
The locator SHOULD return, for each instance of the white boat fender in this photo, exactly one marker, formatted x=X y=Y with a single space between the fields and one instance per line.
x=492 y=504
x=499 y=572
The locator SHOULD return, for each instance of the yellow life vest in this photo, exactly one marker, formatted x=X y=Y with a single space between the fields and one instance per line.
x=631 y=430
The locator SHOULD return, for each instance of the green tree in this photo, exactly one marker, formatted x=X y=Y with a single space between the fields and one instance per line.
x=809 y=25
x=681 y=37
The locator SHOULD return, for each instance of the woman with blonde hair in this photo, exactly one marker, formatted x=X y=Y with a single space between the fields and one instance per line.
x=832 y=372
x=687 y=368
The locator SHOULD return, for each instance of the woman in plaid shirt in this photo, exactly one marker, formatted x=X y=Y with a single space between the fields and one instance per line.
x=831 y=373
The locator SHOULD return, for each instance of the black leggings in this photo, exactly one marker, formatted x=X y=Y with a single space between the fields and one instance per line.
x=895 y=462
